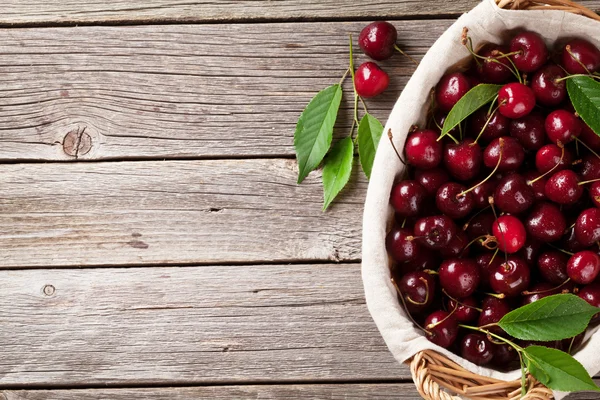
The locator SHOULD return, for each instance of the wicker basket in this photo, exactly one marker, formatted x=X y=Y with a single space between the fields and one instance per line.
x=437 y=377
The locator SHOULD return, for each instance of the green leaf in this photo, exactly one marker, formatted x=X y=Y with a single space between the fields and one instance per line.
x=585 y=96
x=474 y=99
x=314 y=129
x=369 y=133
x=552 y=318
x=337 y=169
x=557 y=370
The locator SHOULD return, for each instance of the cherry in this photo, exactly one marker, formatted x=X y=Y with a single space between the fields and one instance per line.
x=529 y=130
x=496 y=127
x=511 y=277
x=451 y=201
x=370 y=80
x=463 y=160
x=487 y=263
x=563 y=187
x=515 y=100
x=549 y=156
x=450 y=89
x=466 y=310
x=511 y=156
x=407 y=198
x=531 y=50
x=493 y=69
x=431 y=179
x=591 y=294
x=435 y=232
x=531 y=250
x=456 y=247
x=377 y=40
x=589 y=137
x=583 y=267
x=505 y=357
x=513 y=195
x=548 y=89
x=553 y=266
x=545 y=222
x=482 y=192
x=587 y=227
x=400 y=245
x=442 y=328
x=571 y=345
x=510 y=233
x=595 y=193
x=439 y=118
x=493 y=310
x=459 y=277
x=539 y=291
x=590 y=167
x=423 y=150
x=423 y=260
x=480 y=225
x=578 y=52
x=418 y=290
x=476 y=348
x=537 y=184
x=562 y=126
x=570 y=242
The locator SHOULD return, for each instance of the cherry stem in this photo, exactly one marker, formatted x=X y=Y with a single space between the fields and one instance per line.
x=405 y=55
x=568 y=49
x=403 y=223
x=431 y=326
x=593 y=76
x=473 y=241
x=466 y=225
x=391 y=137
x=487 y=332
x=561 y=250
x=364 y=105
x=491 y=202
x=406 y=309
x=587 y=147
x=500 y=296
x=494 y=256
x=489 y=239
x=491 y=115
x=590 y=181
x=562 y=155
x=353 y=83
x=431 y=272
x=527 y=292
x=426 y=295
x=571 y=345
x=460 y=303
x=464 y=192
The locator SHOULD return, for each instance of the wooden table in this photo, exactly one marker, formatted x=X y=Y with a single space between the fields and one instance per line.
x=153 y=242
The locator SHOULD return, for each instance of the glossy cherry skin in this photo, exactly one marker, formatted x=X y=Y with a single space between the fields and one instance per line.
x=442 y=328
x=510 y=154
x=451 y=201
x=435 y=232
x=493 y=310
x=563 y=187
x=562 y=126
x=487 y=263
x=515 y=100
x=510 y=233
x=505 y=358
x=511 y=277
x=377 y=40
x=539 y=291
x=591 y=294
x=581 y=52
x=529 y=130
x=496 y=127
x=549 y=156
x=463 y=160
x=450 y=89
x=589 y=137
x=595 y=193
x=456 y=247
x=545 y=85
x=532 y=51
x=370 y=80
x=587 y=227
x=537 y=183
x=493 y=69
x=530 y=251
x=583 y=267
x=400 y=245
x=423 y=150
x=480 y=225
x=466 y=309
x=570 y=243
x=423 y=260
x=513 y=195
x=590 y=167
x=431 y=179
x=459 y=277
x=407 y=198
x=552 y=265
x=476 y=348
x=418 y=290
x=545 y=222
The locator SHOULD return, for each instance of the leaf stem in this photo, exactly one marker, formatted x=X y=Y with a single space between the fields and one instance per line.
x=487 y=332
x=344 y=76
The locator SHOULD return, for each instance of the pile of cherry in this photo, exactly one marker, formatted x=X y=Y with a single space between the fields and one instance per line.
x=505 y=210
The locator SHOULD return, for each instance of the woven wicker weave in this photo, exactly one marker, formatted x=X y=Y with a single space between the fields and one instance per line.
x=435 y=376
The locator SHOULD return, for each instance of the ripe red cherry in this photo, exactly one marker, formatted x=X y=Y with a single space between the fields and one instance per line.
x=583 y=267
x=552 y=265
x=505 y=358
x=418 y=290
x=515 y=100
x=548 y=90
x=533 y=52
x=589 y=137
x=431 y=179
x=496 y=127
x=456 y=247
x=493 y=69
x=563 y=187
x=511 y=277
x=400 y=245
x=539 y=291
x=463 y=160
x=423 y=150
x=487 y=263
x=511 y=156
x=370 y=80
x=513 y=195
x=587 y=227
x=562 y=126
x=450 y=89
x=459 y=277
x=451 y=201
x=435 y=232
x=537 y=184
x=578 y=52
x=510 y=233
x=591 y=294
x=482 y=192
x=590 y=167
x=529 y=130
x=442 y=328
x=531 y=250
x=480 y=225
x=595 y=193
x=570 y=243
x=407 y=198
x=493 y=310
x=423 y=260
x=467 y=309
x=549 y=156
x=476 y=348
x=546 y=222
x=377 y=40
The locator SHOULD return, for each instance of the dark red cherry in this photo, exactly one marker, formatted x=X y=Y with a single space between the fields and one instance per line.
x=595 y=193
x=549 y=156
x=563 y=187
x=548 y=89
x=423 y=260
x=531 y=50
x=583 y=267
x=476 y=348
x=452 y=201
x=496 y=127
x=591 y=294
x=456 y=247
x=418 y=290
x=423 y=150
x=482 y=192
x=407 y=198
x=571 y=345
x=506 y=357
x=370 y=80
x=513 y=195
x=450 y=89
x=510 y=233
x=552 y=265
x=442 y=328
x=493 y=310
x=487 y=263
x=539 y=291
x=400 y=244
x=377 y=40
x=435 y=232
x=537 y=184
x=511 y=156
x=562 y=126
x=587 y=227
x=515 y=100
x=545 y=222
x=589 y=137
x=459 y=277
x=494 y=69
x=431 y=179
x=590 y=167
x=463 y=160
x=511 y=277
x=530 y=251
x=578 y=52
x=480 y=224
x=570 y=243
x=529 y=130
x=467 y=309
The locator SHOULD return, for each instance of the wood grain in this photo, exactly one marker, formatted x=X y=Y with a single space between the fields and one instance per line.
x=230 y=90
x=214 y=324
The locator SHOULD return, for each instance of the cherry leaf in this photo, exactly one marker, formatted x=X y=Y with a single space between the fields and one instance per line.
x=369 y=133
x=472 y=101
x=337 y=169
x=584 y=93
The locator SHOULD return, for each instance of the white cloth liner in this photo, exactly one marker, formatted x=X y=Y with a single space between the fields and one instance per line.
x=486 y=23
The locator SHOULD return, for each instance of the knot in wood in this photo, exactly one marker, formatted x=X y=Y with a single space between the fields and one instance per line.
x=77 y=143
x=48 y=290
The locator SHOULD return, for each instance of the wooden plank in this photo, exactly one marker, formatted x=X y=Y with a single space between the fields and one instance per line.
x=214 y=324
x=173 y=212
x=177 y=91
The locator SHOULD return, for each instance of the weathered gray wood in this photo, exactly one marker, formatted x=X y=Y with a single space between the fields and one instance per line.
x=267 y=323
x=177 y=91
x=211 y=211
